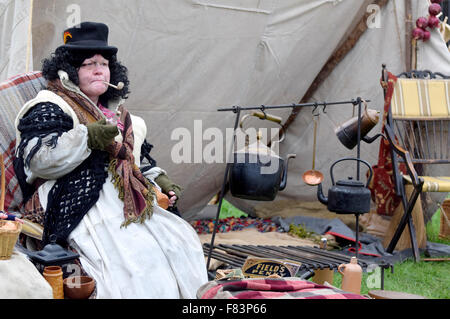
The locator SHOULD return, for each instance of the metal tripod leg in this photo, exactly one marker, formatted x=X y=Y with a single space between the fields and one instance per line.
x=407 y=218
x=222 y=191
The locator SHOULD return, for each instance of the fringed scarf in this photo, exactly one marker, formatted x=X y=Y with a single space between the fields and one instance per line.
x=134 y=189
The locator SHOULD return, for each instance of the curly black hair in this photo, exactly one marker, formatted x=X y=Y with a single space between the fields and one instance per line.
x=70 y=60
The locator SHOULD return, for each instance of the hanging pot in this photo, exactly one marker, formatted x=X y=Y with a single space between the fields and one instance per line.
x=257 y=172
x=347 y=196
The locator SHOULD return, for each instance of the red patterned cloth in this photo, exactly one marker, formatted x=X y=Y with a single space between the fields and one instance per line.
x=271 y=288
x=382 y=185
x=206 y=226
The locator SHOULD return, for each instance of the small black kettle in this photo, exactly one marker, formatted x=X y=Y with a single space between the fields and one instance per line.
x=347 y=196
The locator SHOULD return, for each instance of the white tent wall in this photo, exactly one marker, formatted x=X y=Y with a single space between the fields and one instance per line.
x=357 y=75
x=432 y=55
x=187 y=58
x=15 y=38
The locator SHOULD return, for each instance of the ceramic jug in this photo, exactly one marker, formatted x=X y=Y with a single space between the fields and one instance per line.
x=351 y=276
x=54 y=276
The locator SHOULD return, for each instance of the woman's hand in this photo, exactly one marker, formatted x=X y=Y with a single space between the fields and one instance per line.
x=10 y=217
x=172 y=198
x=172 y=190
x=101 y=134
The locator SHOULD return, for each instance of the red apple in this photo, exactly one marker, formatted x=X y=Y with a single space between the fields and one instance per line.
x=433 y=22
x=422 y=22
x=434 y=9
x=418 y=33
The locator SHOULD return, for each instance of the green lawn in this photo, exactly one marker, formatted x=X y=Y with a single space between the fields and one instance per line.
x=425 y=278
x=428 y=279
x=228 y=210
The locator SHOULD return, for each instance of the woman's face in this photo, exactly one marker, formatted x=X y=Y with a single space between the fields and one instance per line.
x=91 y=74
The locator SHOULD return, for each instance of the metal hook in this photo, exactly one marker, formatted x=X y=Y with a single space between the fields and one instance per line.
x=262 y=110
x=324 y=107
x=316 y=105
x=295 y=109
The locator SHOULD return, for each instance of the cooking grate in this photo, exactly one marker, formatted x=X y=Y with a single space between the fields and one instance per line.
x=311 y=258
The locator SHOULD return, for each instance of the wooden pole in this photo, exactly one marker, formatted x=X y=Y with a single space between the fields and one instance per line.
x=29 y=41
x=410 y=43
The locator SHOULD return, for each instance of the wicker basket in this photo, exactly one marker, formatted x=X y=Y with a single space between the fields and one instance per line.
x=8 y=239
x=444 y=231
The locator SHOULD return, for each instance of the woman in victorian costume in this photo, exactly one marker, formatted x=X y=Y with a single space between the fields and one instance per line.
x=78 y=160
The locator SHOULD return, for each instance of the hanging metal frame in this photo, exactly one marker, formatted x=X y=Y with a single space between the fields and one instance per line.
x=238 y=109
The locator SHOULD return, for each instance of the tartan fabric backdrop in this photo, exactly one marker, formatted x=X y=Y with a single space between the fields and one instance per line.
x=14 y=92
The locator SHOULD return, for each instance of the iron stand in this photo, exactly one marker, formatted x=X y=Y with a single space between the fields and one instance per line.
x=237 y=110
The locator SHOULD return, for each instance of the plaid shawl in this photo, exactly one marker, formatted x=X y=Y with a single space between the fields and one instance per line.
x=271 y=288
x=14 y=93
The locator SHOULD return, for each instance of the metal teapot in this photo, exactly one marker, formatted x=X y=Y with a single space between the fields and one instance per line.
x=257 y=172
x=347 y=196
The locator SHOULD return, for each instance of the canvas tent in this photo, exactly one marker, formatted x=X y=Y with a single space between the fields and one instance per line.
x=187 y=58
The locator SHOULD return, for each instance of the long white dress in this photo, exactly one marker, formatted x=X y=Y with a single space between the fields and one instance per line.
x=160 y=258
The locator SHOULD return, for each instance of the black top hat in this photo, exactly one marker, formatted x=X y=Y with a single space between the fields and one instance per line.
x=88 y=36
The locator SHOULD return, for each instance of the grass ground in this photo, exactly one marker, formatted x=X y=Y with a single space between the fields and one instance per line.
x=424 y=278
x=228 y=210
x=428 y=279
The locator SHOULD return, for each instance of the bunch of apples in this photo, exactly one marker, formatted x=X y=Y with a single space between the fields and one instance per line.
x=432 y=22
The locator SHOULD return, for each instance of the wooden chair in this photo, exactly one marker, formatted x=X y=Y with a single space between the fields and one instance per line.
x=418 y=130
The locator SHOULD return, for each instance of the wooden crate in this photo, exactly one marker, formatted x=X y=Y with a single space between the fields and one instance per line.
x=444 y=231
x=417 y=216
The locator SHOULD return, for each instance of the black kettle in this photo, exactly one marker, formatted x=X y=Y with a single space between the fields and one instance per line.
x=257 y=172
x=347 y=196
